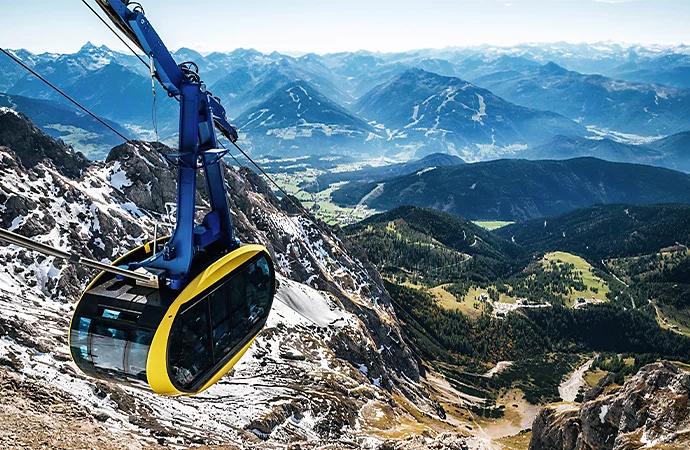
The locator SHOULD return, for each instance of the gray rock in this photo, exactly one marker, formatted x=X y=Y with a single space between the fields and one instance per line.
x=651 y=407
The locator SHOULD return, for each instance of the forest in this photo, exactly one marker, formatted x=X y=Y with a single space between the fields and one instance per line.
x=419 y=250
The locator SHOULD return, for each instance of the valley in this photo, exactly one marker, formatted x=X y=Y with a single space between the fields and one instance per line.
x=442 y=310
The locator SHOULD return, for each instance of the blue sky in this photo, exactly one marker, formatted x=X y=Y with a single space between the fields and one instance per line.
x=328 y=26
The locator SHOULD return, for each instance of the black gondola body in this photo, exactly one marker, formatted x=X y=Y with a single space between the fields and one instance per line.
x=174 y=343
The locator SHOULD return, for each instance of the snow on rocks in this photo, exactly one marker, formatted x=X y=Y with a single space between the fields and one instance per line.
x=301 y=377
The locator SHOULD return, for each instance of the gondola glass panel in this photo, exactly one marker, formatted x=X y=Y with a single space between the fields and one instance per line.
x=190 y=354
x=137 y=353
x=206 y=335
x=108 y=348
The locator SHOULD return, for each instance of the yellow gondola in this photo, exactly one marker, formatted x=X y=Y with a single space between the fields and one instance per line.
x=174 y=318
x=173 y=343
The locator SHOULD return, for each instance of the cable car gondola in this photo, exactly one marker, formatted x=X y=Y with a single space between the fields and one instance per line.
x=174 y=342
x=176 y=318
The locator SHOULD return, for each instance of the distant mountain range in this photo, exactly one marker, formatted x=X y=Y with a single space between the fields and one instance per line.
x=568 y=147
x=108 y=83
x=418 y=99
x=595 y=100
x=672 y=152
x=521 y=189
x=429 y=113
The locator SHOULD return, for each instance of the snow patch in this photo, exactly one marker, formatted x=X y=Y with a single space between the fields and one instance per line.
x=602 y=413
x=118 y=178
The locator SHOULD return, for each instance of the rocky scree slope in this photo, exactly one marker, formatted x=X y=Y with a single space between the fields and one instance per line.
x=650 y=410
x=331 y=352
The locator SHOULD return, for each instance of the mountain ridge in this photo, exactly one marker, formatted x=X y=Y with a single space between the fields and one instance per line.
x=297 y=111
x=520 y=189
x=430 y=112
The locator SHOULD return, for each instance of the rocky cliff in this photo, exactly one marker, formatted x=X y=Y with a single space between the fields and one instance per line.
x=330 y=365
x=651 y=410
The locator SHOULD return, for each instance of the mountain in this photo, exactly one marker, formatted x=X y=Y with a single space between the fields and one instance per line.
x=520 y=189
x=432 y=244
x=66 y=122
x=298 y=120
x=568 y=147
x=11 y=72
x=473 y=67
x=250 y=84
x=595 y=100
x=605 y=231
x=671 y=69
x=330 y=361
x=33 y=146
x=112 y=85
x=116 y=86
x=644 y=411
x=675 y=150
x=672 y=152
x=427 y=113
x=373 y=172
x=654 y=64
x=65 y=69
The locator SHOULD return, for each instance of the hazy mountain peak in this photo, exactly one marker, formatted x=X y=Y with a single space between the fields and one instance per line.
x=551 y=68
x=187 y=54
x=87 y=47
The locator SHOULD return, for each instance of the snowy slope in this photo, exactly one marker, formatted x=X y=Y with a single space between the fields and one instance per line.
x=298 y=120
x=425 y=113
x=332 y=344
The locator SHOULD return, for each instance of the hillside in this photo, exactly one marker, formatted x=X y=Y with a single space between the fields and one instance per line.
x=517 y=190
x=65 y=122
x=644 y=247
x=432 y=246
x=672 y=152
x=605 y=231
x=374 y=173
x=568 y=147
x=641 y=109
x=298 y=120
x=427 y=113
x=675 y=150
x=33 y=146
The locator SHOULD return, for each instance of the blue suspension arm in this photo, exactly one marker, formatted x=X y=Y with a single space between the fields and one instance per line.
x=200 y=115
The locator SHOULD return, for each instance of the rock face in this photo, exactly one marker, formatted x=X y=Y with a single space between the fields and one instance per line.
x=330 y=361
x=650 y=410
x=32 y=145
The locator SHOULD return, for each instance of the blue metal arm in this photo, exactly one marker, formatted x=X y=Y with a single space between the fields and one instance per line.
x=200 y=114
